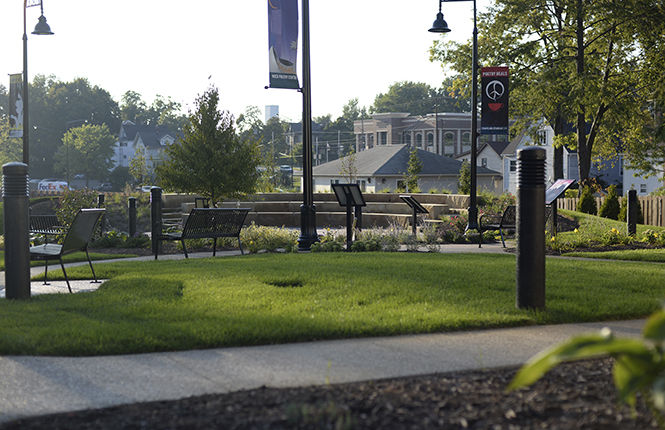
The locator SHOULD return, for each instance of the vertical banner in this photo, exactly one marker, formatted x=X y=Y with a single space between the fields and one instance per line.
x=283 y=43
x=16 y=105
x=494 y=84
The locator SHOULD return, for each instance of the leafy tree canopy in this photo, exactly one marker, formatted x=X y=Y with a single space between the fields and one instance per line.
x=86 y=149
x=419 y=99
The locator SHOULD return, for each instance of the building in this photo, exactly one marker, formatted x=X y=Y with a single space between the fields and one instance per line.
x=443 y=134
x=271 y=112
x=382 y=168
x=151 y=139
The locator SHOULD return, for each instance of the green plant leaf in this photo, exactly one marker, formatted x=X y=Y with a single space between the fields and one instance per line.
x=632 y=373
x=577 y=348
x=658 y=393
x=654 y=329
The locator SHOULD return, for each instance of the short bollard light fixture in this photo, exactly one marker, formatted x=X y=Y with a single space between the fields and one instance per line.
x=530 y=228
x=16 y=224
x=441 y=26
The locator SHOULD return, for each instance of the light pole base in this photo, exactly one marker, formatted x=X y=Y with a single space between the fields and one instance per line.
x=472 y=223
x=308 y=234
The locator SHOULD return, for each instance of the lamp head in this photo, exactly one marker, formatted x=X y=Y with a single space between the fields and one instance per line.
x=42 y=27
x=440 y=25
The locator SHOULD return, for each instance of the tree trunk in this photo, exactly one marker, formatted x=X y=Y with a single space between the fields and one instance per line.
x=583 y=150
x=558 y=151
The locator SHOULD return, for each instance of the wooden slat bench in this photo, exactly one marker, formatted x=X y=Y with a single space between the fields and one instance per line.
x=503 y=222
x=209 y=223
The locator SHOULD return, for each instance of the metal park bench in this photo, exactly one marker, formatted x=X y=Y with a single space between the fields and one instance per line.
x=77 y=238
x=45 y=225
x=503 y=222
x=209 y=223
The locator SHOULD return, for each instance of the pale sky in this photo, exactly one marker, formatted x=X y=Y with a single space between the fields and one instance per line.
x=358 y=48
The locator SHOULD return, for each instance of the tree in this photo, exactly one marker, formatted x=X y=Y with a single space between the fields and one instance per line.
x=163 y=111
x=349 y=169
x=87 y=149
x=57 y=106
x=572 y=62
x=138 y=167
x=211 y=159
x=464 y=181
x=418 y=99
x=11 y=149
x=413 y=169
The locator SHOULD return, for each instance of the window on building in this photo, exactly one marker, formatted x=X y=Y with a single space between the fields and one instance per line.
x=513 y=165
x=483 y=162
x=430 y=141
x=449 y=143
x=466 y=141
x=407 y=138
x=370 y=141
x=383 y=138
x=643 y=188
x=542 y=137
x=419 y=140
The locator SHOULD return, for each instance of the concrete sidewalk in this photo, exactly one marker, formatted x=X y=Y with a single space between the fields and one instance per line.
x=42 y=385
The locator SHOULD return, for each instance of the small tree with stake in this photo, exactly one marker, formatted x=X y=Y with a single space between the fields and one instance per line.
x=211 y=160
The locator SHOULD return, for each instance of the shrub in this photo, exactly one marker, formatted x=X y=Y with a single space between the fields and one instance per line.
x=258 y=238
x=493 y=204
x=464 y=180
x=115 y=239
x=624 y=208
x=73 y=200
x=587 y=203
x=610 y=207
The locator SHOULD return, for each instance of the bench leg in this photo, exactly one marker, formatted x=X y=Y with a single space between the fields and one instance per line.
x=503 y=242
x=46 y=272
x=91 y=268
x=184 y=248
x=480 y=237
x=240 y=246
x=66 y=278
x=214 y=246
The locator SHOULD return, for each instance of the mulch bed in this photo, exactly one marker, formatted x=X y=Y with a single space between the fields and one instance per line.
x=572 y=396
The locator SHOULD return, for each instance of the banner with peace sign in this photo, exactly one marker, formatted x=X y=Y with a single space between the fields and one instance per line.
x=494 y=107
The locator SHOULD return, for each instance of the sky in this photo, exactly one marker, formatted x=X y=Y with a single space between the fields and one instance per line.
x=178 y=49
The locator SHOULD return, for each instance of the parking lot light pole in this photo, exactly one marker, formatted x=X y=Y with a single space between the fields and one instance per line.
x=441 y=26
x=42 y=28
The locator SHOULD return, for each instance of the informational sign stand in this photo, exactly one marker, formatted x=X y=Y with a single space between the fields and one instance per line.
x=350 y=196
x=417 y=209
x=555 y=191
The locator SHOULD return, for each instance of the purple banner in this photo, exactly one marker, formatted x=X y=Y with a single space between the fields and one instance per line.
x=283 y=43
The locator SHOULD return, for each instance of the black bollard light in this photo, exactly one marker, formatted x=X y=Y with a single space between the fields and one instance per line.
x=15 y=196
x=100 y=200
x=631 y=212
x=155 y=218
x=530 y=228
x=131 y=210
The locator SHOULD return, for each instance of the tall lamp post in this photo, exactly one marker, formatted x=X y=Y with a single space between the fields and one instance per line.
x=441 y=26
x=42 y=28
x=308 y=234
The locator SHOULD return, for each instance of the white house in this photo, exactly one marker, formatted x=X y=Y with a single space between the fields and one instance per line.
x=643 y=185
x=151 y=139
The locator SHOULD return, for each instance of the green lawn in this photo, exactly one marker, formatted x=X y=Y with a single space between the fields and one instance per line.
x=273 y=298
x=70 y=258
x=649 y=255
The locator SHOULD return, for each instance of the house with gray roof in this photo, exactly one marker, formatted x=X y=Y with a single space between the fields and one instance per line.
x=151 y=139
x=383 y=168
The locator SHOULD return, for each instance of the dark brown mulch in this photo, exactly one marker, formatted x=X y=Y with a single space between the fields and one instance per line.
x=573 y=396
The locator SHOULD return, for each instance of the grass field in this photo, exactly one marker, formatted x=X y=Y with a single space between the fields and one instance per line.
x=276 y=298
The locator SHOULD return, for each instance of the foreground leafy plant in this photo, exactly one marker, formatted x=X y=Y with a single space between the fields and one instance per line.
x=639 y=363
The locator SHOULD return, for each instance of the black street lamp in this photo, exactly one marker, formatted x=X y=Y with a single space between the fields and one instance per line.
x=441 y=26
x=308 y=234
x=42 y=28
